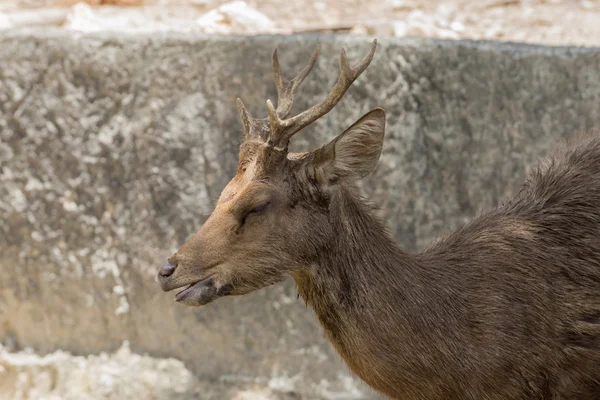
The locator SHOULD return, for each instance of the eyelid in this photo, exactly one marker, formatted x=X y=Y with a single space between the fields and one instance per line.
x=260 y=207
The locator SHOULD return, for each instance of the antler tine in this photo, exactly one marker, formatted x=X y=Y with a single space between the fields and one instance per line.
x=287 y=89
x=283 y=129
x=248 y=121
x=274 y=121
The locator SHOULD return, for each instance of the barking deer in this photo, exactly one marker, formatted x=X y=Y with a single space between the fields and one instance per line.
x=506 y=307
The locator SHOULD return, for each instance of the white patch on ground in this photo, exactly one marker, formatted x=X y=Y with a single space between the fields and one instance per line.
x=62 y=376
x=350 y=389
x=254 y=394
x=284 y=384
x=236 y=16
x=84 y=18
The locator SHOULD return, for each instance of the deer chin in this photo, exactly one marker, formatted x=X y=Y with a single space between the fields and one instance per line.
x=202 y=292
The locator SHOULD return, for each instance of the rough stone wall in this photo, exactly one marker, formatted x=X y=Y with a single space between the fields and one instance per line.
x=113 y=149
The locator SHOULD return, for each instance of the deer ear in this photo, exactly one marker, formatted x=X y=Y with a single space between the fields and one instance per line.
x=353 y=154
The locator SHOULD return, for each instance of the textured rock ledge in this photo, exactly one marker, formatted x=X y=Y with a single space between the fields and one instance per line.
x=112 y=150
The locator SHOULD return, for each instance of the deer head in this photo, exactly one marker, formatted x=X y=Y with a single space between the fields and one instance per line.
x=273 y=217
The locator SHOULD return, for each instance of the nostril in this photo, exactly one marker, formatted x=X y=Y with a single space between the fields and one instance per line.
x=167 y=269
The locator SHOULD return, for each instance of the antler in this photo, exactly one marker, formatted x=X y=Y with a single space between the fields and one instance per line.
x=278 y=131
x=283 y=129
x=286 y=89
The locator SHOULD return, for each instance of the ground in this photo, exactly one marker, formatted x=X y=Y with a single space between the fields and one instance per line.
x=122 y=375
x=552 y=22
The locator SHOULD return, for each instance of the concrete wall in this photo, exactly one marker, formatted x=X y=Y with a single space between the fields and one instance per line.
x=112 y=150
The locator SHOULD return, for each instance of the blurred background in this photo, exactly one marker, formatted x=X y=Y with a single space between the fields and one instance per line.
x=556 y=22
x=118 y=130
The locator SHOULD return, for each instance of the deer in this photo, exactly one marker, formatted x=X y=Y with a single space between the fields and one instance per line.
x=505 y=307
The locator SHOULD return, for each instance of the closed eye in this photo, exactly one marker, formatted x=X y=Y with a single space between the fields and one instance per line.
x=258 y=209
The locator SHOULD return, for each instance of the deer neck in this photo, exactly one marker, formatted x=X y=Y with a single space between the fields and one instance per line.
x=369 y=295
x=361 y=271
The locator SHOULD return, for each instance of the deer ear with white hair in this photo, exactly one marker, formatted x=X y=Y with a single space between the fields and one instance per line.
x=353 y=154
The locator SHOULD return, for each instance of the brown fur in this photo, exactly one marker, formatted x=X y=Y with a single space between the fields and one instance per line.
x=506 y=307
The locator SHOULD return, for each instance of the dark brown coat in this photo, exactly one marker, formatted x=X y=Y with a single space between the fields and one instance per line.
x=506 y=307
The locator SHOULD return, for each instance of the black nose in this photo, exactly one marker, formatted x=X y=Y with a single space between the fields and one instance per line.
x=167 y=269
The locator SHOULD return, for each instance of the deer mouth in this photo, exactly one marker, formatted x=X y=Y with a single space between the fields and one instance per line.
x=202 y=292
x=198 y=293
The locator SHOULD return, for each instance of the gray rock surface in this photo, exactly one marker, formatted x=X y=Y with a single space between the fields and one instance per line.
x=113 y=149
